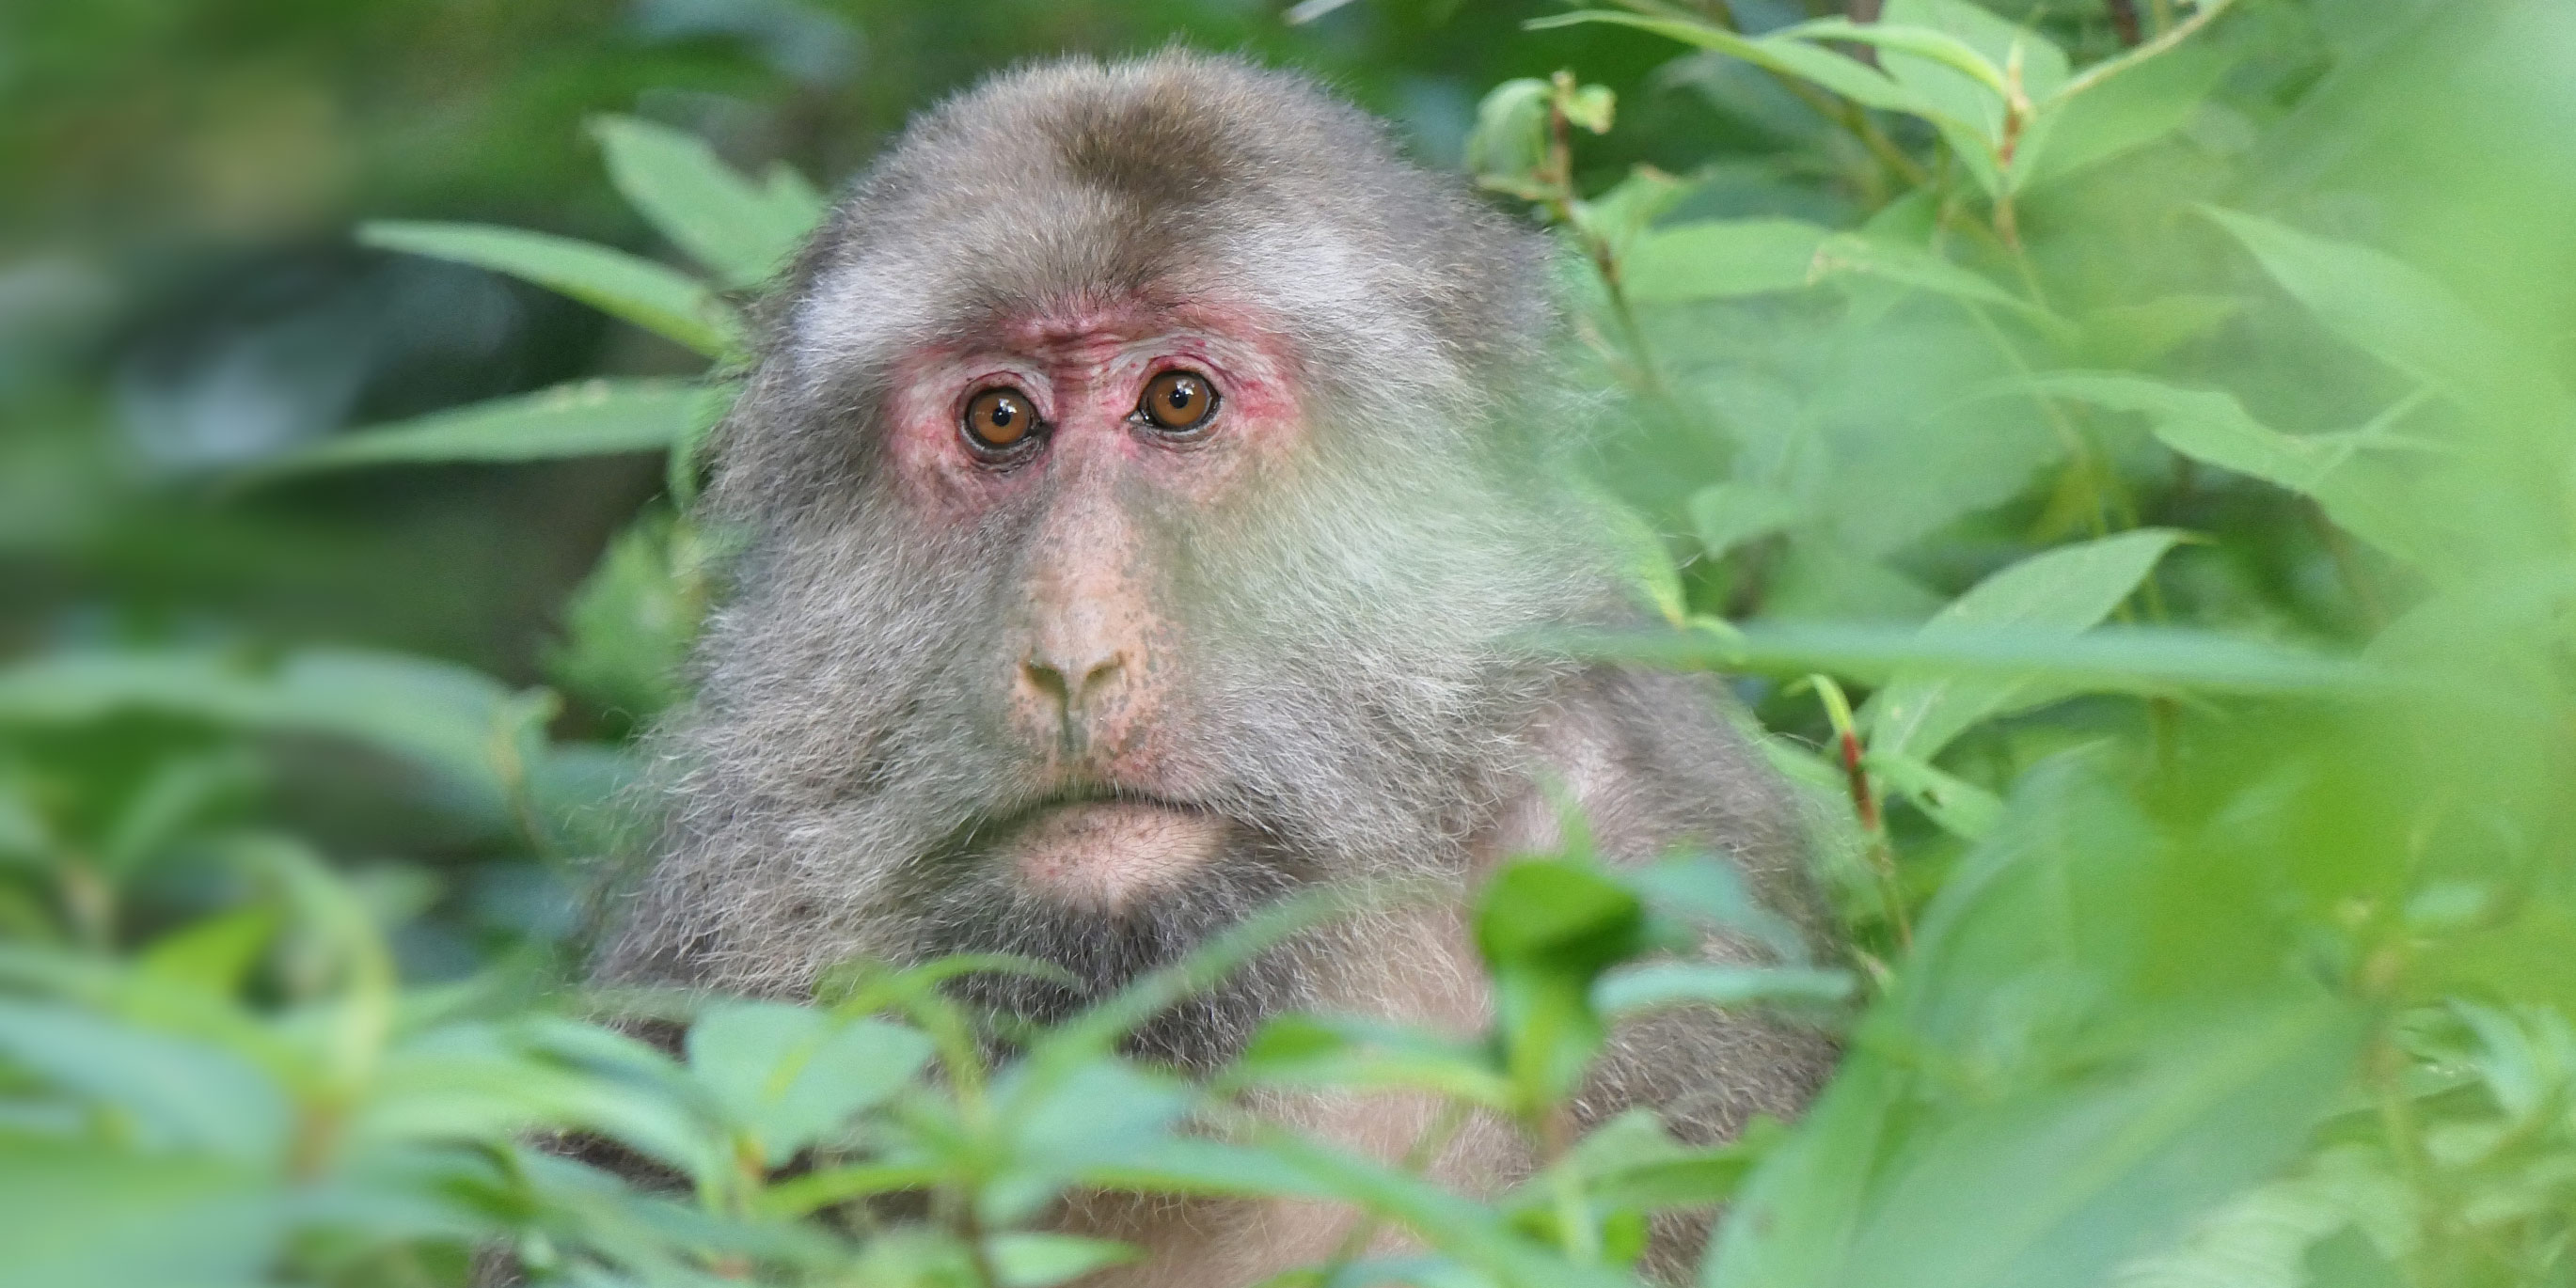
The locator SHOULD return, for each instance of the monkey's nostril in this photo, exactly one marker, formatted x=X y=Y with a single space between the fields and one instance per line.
x=1054 y=680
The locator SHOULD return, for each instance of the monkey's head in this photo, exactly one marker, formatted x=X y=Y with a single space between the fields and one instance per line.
x=1143 y=484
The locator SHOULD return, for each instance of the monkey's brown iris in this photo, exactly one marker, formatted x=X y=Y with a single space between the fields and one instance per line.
x=1000 y=419
x=1178 y=400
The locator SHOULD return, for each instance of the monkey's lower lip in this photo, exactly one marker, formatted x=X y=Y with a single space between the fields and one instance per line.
x=1105 y=853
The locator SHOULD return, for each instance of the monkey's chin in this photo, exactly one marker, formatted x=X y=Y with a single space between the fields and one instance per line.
x=1110 y=854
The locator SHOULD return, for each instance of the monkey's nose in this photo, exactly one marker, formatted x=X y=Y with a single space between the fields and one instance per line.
x=1073 y=683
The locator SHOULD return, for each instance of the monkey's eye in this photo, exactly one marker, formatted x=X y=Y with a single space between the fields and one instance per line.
x=998 y=420
x=1178 y=401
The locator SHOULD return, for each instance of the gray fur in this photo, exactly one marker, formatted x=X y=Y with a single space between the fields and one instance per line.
x=1356 y=702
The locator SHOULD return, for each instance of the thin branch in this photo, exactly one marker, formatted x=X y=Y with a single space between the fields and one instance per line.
x=2167 y=39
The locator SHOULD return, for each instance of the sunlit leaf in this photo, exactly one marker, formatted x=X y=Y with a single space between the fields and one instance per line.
x=1656 y=985
x=661 y=300
x=788 y=1075
x=586 y=418
x=2055 y=593
x=742 y=231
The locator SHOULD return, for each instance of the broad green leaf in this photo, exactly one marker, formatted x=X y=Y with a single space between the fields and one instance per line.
x=2118 y=115
x=1063 y=1122
x=2215 y=428
x=1961 y=808
x=1656 y=985
x=434 y=713
x=1925 y=43
x=630 y=625
x=1192 y=1165
x=1641 y=554
x=1472 y=1232
x=1361 y=1054
x=1726 y=515
x=1793 y=1220
x=87 y=1217
x=1914 y=266
x=2054 y=593
x=1028 y=1259
x=1724 y=259
x=1713 y=259
x=2135 y=335
x=2060 y=1186
x=1833 y=70
x=2400 y=315
x=742 y=231
x=2107 y=660
x=1710 y=893
x=584 y=418
x=661 y=300
x=789 y=1075
x=1509 y=143
x=1632 y=1162
x=176 y=1094
x=1999 y=42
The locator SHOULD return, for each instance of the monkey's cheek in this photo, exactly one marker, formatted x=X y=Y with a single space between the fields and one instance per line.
x=1107 y=855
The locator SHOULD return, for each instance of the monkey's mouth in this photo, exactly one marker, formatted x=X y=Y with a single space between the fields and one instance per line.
x=1107 y=851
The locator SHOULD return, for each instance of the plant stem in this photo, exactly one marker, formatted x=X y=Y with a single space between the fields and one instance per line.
x=2124 y=21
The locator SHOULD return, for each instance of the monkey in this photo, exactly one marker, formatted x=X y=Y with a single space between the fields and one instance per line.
x=1145 y=490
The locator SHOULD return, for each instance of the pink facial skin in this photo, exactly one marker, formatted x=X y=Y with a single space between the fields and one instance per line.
x=1085 y=367
x=1093 y=695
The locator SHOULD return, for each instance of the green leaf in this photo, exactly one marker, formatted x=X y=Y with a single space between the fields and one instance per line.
x=1509 y=143
x=447 y=717
x=1727 y=515
x=1710 y=891
x=177 y=1094
x=741 y=231
x=1790 y=1224
x=632 y=622
x=2215 y=428
x=84 y=1217
x=2059 y=1187
x=1026 y=1259
x=2400 y=315
x=1959 y=807
x=1657 y=985
x=1713 y=259
x=2054 y=593
x=1641 y=554
x=661 y=300
x=1193 y=1165
x=2118 y=115
x=1632 y=1162
x=1790 y=56
x=1925 y=43
x=2107 y=660
x=789 y=1075
x=583 y=418
x=1360 y=1054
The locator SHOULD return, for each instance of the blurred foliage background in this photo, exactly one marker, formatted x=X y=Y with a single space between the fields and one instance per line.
x=2123 y=446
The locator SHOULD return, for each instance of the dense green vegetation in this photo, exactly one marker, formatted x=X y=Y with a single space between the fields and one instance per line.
x=2133 y=471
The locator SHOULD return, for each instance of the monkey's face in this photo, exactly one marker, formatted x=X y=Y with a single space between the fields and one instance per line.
x=1090 y=440
x=1140 y=516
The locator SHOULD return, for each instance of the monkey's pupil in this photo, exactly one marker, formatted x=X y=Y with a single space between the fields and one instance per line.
x=993 y=419
x=1178 y=400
